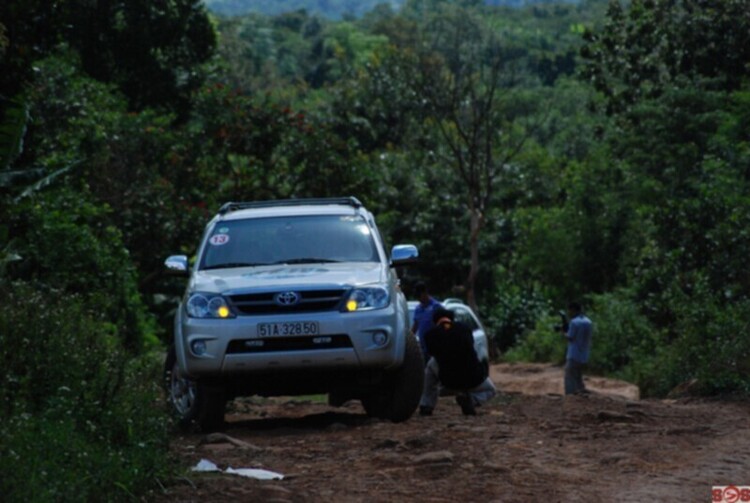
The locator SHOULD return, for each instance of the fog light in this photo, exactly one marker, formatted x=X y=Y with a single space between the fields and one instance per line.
x=379 y=338
x=198 y=346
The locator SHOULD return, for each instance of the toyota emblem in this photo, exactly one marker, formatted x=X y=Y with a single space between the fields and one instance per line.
x=287 y=298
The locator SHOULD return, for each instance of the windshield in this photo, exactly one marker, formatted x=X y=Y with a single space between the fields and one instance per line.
x=289 y=240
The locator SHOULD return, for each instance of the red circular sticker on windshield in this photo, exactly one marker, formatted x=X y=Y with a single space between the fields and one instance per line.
x=219 y=239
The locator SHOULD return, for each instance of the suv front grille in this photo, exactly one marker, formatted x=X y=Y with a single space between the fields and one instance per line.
x=310 y=301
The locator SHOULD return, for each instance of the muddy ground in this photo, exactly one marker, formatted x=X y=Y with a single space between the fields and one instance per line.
x=529 y=443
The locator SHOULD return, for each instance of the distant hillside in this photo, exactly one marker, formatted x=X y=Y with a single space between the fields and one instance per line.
x=332 y=9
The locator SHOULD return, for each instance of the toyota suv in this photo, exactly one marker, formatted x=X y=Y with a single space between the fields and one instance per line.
x=293 y=297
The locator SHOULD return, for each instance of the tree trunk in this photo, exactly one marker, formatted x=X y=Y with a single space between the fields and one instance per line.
x=477 y=222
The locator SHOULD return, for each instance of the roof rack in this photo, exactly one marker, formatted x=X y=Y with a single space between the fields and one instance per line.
x=234 y=206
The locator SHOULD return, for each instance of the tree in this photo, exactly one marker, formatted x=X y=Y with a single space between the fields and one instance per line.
x=655 y=44
x=151 y=50
x=477 y=122
x=673 y=75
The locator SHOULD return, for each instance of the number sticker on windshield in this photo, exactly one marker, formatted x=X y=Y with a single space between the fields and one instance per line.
x=219 y=239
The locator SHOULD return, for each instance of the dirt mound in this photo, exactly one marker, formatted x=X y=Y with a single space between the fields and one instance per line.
x=546 y=379
x=530 y=443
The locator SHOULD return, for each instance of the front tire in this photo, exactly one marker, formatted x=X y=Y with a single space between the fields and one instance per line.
x=192 y=403
x=400 y=399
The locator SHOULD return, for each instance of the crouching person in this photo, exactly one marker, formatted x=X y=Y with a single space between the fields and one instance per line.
x=454 y=365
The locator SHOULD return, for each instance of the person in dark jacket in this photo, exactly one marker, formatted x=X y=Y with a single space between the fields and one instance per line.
x=453 y=364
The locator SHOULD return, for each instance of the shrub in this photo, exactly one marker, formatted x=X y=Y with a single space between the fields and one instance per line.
x=542 y=344
x=80 y=418
x=621 y=333
x=66 y=243
x=705 y=344
x=514 y=313
x=709 y=343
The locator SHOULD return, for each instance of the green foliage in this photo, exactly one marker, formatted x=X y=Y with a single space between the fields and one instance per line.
x=294 y=51
x=333 y=9
x=579 y=244
x=161 y=69
x=257 y=149
x=80 y=419
x=139 y=165
x=703 y=342
x=547 y=250
x=702 y=345
x=338 y=9
x=643 y=50
x=67 y=244
x=152 y=51
x=261 y=55
x=426 y=114
x=513 y=314
x=624 y=340
x=13 y=122
x=712 y=346
x=349 y=49
x=542 y=344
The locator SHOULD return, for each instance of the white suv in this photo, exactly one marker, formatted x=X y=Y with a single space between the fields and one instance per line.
x=293 y=297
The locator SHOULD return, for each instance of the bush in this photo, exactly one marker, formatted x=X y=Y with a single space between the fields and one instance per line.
x=708 y=344
x=80 y=419
x=624 y=344
x=513 y=314
x=622 y=334
x=66 y=243
x=542 y=344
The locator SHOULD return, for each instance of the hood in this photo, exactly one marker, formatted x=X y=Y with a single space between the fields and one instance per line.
x=290 y=276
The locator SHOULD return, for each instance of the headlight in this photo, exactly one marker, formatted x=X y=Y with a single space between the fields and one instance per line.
x=206 y=305
x=364 y=299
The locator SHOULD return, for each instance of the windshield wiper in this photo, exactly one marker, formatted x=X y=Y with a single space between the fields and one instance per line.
x=234 y=264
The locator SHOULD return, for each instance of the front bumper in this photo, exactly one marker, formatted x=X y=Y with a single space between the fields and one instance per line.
x=344 y=341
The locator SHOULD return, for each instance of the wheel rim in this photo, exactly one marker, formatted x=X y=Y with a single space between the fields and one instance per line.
x=182 y=392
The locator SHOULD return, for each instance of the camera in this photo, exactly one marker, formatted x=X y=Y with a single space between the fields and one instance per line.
x=563 y=325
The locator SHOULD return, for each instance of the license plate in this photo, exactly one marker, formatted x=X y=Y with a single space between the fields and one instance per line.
x=288 y=329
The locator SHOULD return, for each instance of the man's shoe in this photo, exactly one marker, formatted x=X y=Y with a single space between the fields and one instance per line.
x=467 y=405
x=425 y=411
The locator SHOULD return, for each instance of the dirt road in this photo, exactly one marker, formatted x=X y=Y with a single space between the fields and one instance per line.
x=528 y=444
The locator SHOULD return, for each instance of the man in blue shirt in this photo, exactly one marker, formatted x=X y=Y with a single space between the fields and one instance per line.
x=578 y=335
x=423 y=316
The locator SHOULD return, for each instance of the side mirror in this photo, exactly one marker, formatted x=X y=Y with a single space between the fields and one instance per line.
x=404 y=255
x=177 y=265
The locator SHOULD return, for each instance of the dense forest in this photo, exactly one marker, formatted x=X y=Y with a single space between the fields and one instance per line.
x=337 y=9
x=597 y=151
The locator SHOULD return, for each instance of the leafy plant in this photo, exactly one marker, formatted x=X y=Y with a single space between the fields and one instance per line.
x=542 y=344
x=13 y=124
x=80 y=418
x=67 y=245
